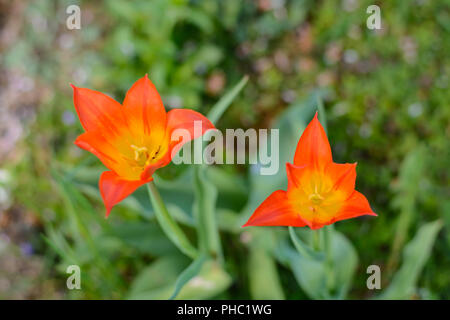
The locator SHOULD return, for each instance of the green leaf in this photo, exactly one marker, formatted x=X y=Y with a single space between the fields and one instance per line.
x=211 y=281
x=263 y=275
x=222 y=105
x=415 y=255
x=168 y=224
x=343 y=265
x=313 y=274
x=146 y=237
x=188 y=274
x=76 y=208
x=158 y=281
x=204 y=210
x=59 y=244
x=412 y=171
x=309 y=273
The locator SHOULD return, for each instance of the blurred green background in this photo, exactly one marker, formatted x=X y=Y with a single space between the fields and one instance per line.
x=386 y=99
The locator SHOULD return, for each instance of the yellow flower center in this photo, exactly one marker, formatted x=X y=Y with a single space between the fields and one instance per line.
x=143 y=157
x=315 y=199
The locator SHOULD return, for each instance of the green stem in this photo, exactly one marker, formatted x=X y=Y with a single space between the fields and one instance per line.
x=316 y=239
x=168 y=224
x=329 y=257
x=301 y=248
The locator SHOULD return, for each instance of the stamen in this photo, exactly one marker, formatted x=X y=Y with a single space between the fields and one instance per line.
x=140 y=154
x=315 y=197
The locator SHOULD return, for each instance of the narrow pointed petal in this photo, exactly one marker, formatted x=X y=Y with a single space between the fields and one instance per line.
x=343 y=176
x=97 y=111
x=275 y=211
x=146 y=110
x=356 y=205
x=188 y=120
x=151 y=168
x=100 y=147
x=114 y=189
x=313 y=147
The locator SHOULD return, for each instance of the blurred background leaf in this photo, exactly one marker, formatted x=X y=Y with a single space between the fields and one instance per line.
x=415 y=255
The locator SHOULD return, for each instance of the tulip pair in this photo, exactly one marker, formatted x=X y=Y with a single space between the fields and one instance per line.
x=133 y=140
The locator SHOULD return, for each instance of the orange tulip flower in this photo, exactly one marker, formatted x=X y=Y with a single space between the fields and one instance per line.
x=320 y=192
x=132 y=140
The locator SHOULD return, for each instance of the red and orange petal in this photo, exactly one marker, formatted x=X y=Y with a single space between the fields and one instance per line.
x=107 y=153
x=313 y=147
x=356 y=205
x=275 y=211
x=97 y=111
x=145 y=111
x=114 y=189
x=343 y=176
